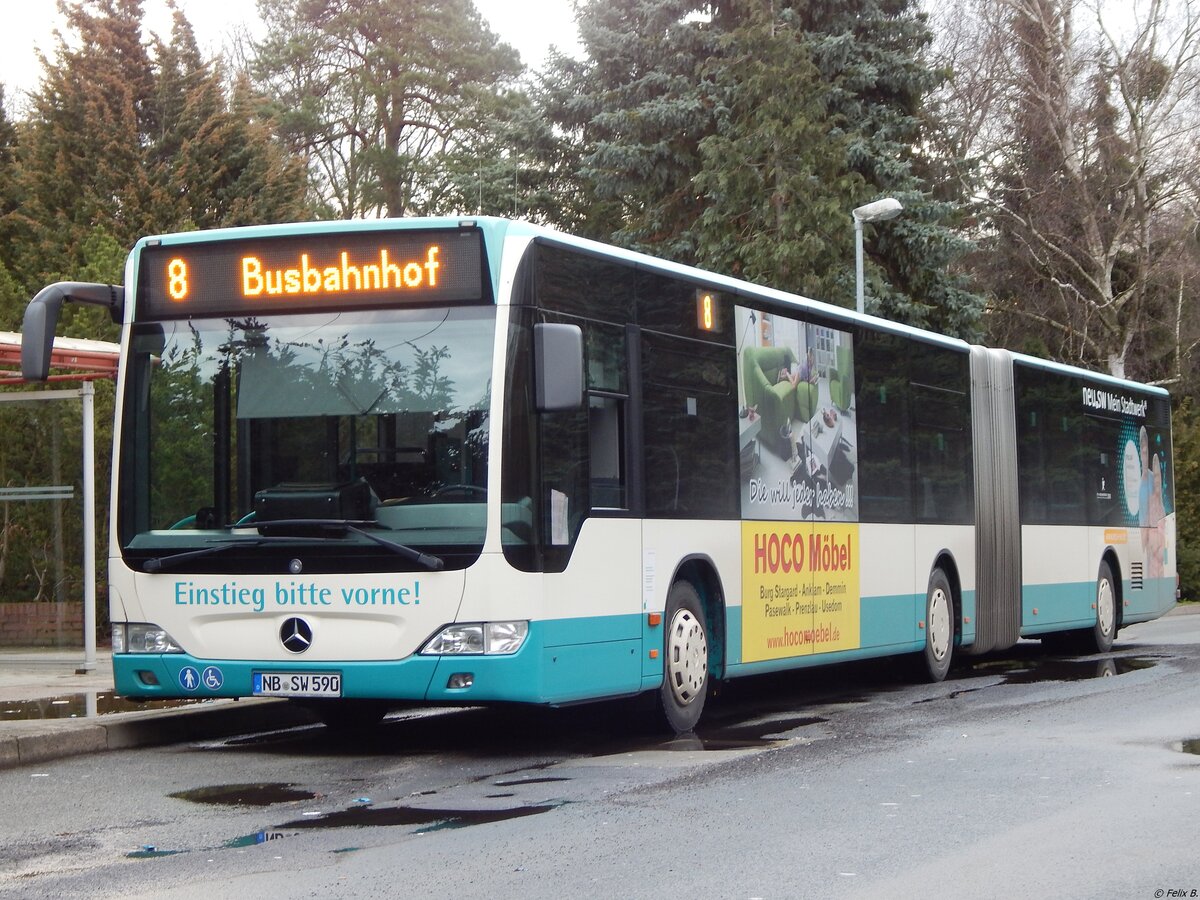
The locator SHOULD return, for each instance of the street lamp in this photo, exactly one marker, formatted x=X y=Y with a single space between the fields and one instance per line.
x=879 y=211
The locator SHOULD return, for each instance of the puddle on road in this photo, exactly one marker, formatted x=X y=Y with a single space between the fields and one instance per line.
x=432 y=819
x=75 y=706
x=688 y=743
x=1075 y=670
x=1037 y=671
x=262 y=794
x=751 y=736
x=953 y=695
x=518 y=782
x=360 y=817
x=151 y=852
x=740 y=735
x=253 y=840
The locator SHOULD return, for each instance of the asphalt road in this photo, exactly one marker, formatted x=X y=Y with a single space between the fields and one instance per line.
x=1022 y=775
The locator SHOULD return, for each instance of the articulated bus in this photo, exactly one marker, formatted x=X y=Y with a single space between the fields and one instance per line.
x=479 y=461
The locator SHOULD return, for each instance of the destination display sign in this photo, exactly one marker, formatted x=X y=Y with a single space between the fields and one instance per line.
x=338 y=270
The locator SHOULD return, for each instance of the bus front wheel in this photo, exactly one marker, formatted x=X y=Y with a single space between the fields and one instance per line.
x=1100 y=638
x=685 y=669
x=939 y=628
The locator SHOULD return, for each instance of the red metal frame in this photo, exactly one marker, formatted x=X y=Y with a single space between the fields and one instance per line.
x=89 y=365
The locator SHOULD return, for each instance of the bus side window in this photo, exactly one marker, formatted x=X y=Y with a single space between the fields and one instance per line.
x=1053 y=458
x=1101 y=437
x=941 y=436
x=690 y=427
x=607 y=395
x=606 y=433
x=564 y=475
x=884 y=443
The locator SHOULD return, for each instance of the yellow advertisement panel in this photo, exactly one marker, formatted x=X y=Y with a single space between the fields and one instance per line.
x=799 y=589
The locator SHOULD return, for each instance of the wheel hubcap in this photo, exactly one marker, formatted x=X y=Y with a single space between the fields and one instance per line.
x=939 y=624
x=687 y=657
x=1105 y=606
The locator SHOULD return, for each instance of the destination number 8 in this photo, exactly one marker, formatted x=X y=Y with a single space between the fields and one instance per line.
x=177 y=279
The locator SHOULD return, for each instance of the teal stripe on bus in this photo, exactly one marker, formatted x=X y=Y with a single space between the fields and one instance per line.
x=1052 y=607
x=887 y=625
x=1070 y=605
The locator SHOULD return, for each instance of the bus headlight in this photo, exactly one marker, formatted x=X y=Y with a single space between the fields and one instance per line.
x=503 y=638
x=478 y=638
x=139 y=637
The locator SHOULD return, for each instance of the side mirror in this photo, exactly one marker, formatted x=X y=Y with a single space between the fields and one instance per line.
x=37 y=334
x=558 y=367
x=41 y=318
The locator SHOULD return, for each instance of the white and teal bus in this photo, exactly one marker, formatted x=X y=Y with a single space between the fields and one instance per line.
x=477 y=461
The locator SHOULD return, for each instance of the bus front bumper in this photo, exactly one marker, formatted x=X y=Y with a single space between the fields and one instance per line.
x=442 y=679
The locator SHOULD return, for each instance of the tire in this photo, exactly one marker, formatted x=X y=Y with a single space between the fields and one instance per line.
x=1101 y=636
x=934 y=661
x=685 y=664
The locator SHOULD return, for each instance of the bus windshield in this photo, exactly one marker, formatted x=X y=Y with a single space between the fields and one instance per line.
x=289 y=426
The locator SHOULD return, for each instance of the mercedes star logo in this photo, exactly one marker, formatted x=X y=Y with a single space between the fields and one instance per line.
x=296 y=635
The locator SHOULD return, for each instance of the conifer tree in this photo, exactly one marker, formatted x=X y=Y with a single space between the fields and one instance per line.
x=377 y=93
x=741 y=135
x=83 y=164
x=215 y=156
x=130 y=136
x=10 y=292
x=636 y=110
x=764 y=218
x=872 y=55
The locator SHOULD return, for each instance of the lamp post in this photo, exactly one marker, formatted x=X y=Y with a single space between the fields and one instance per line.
x=880 y=210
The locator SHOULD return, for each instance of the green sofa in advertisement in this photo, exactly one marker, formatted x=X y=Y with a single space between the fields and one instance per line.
x=841 y=380
x=778 y=400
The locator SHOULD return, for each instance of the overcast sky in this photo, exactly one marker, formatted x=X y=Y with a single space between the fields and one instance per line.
x=531 y=26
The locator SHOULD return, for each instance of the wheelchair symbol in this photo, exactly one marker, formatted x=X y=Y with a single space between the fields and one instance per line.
x=213 y=679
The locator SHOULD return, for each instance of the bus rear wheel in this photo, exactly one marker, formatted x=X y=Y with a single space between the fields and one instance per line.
x=934 y=662
x=685 y=669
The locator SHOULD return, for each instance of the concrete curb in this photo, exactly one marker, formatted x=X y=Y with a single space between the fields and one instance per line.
x=45 y=741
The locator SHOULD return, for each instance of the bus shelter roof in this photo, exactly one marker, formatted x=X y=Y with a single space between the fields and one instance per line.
x=83 y=359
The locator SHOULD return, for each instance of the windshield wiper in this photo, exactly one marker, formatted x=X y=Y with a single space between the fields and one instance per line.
x=427 y=560
x=158 y=563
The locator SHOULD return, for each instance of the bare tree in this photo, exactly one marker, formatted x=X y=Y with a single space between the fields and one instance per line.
x=971 y=42
x=1083 y=120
